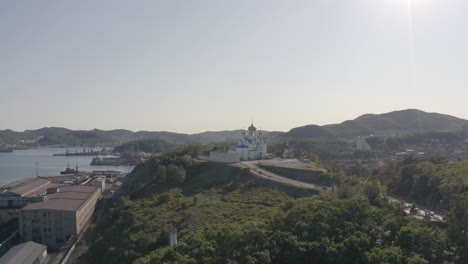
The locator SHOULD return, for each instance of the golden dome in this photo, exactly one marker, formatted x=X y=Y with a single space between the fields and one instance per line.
x=252 y=128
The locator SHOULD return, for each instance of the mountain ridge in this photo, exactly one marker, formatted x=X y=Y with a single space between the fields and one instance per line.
x=400 y=122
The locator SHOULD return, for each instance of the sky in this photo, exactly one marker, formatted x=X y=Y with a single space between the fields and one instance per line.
x=208 y=65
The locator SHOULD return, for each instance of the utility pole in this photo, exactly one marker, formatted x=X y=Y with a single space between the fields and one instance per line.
x=37 y=169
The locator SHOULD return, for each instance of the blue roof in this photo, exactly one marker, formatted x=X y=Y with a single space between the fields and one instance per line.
x=242 y=146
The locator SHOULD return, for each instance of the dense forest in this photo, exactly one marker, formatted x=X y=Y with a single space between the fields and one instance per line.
x=224 y=214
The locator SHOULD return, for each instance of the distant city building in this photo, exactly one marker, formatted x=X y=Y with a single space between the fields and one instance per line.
x=224 y=156
x=110 y=175
x=362 y=145
x=99 y=182
x=288 y=153
x=25 y=253
x=66 y=212
x=408 y=153
x=252 y=145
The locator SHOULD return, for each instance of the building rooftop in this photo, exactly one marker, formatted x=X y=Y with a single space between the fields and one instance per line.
x=25 y=253
x=27 y=188
x=42 y=190
x=223 y=151
x=69 y=198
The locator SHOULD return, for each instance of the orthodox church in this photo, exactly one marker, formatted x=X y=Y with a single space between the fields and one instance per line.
x=252 y=145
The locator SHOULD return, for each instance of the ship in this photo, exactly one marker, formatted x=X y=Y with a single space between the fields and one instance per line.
x=69 y=170
x=113 y=161
x=90 y=152
x=7 y=150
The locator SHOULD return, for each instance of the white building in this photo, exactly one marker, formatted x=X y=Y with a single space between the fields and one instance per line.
x=409 y=152
x=225 y=156
x=362 y=145
x=252 y=146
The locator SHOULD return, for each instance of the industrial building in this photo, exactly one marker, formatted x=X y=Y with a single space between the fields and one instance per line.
x=66 y=212
x=25 y=253
x=24 y=193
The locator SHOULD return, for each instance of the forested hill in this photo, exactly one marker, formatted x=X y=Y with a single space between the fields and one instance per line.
x=394 y=123
x=145 y=145
x=224 y=215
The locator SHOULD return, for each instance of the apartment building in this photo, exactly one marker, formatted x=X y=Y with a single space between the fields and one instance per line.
x=66 y=212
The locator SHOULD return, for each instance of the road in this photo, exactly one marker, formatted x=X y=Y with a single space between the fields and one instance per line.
x=252 y=165
x=421 y=210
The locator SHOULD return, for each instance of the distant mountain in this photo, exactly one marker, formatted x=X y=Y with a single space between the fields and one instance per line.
x=76 y=138
x=146 y=145
x=411 y=121
x=118 y=134
x=47 y=131
x=10 y=137
x=402 y=122
x=203 y=138
x=310 y=131
x=219 y=136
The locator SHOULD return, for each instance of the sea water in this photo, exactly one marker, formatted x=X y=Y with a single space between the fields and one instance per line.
x=41 y=162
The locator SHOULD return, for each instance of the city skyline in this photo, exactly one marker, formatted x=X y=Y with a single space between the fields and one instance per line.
x=213 y=65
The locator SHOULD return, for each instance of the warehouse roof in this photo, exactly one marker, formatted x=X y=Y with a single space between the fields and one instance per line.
x=29 y=187
x=69 y=198
x=25 y=253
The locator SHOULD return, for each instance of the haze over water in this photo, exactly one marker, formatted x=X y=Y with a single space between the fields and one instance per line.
x=22 y=163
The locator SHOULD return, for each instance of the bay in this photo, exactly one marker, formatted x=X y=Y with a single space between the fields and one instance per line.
x=22 y=163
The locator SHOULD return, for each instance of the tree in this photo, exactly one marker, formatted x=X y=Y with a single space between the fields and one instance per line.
x=161 y=174
x=389 y=255
x=175 y=174
x=458 y=226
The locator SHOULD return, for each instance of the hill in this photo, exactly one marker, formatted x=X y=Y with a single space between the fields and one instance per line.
x=154 y=145
x=49 y=131
x=76 y=138
x=219 y=136
x=410 y=121
x=405 y=122
x=402 y=122
x=224 y=216
x=10 y=137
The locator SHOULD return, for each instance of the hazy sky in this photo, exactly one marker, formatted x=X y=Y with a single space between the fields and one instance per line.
x=192 y=66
